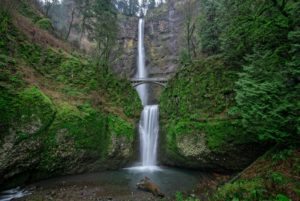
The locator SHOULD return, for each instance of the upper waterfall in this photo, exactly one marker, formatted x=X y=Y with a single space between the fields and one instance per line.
x=141 y=67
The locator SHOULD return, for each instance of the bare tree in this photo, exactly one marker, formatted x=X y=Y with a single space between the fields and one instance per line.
x=190 y=26
x=71 y=23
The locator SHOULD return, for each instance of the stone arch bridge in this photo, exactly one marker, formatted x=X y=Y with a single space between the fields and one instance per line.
x=158 y=81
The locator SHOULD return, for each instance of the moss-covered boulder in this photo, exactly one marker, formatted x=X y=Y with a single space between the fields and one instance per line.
x=198 y=129
x=45 y=139
x=27 y=116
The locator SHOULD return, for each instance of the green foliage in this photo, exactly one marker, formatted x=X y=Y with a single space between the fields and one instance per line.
x=246 y=190
x=28 y=113
x=179 y=196
x=217 y=133
x=45 y=24
x=196 y=101
x=80 y=76
x=282 y=155
x=77 y=123
x=28 y=11
x=281 y=197
x=260 y=39
x=267 y=108
x=204 y=89
x=210 y=25
x=119 y=127
x=103 y=29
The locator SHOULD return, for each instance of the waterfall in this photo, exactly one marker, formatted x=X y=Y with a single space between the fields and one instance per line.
x=148 y=129
x=141 y=67
x=149 y=125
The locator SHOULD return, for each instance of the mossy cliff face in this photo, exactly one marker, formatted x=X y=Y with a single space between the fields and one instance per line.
x=59 y=113
x=197 y=128
x=47 y=139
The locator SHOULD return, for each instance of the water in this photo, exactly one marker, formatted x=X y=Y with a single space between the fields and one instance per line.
x=13 y=194
x=141 y=67
x=149 y=125
x=120 y=185
x=148 y=129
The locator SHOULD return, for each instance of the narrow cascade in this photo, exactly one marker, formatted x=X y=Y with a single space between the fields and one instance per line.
x=141 y=68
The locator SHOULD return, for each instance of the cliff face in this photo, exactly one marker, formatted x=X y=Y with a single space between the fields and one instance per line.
x=125 y=52
x=198 y=129
x=163 y=38
x=59 y=114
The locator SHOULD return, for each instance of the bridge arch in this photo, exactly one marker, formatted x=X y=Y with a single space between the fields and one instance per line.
x=156 y=83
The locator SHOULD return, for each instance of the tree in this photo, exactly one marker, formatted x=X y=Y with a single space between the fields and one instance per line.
x=70 y=22
x=84 y=11
x=48 y=4
x=190 y=27
x=103 y=29
x=210 y=27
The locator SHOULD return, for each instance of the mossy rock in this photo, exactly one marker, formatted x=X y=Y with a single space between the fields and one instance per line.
x=198 y=127
x=45 y=24
x=74 y=130
x=34 y=112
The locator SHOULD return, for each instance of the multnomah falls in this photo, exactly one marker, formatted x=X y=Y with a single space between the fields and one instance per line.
x=149 y=125
x=149 y=100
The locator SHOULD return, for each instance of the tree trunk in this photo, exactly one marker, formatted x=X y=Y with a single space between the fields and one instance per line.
x=71 y=24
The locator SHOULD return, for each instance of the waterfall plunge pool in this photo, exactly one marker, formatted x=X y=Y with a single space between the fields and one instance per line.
x=115 y=185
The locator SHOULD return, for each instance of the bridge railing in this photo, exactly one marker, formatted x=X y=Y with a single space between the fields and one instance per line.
x=148 y=80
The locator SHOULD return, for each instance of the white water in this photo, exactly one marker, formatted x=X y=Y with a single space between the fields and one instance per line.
x=13 y=194
x=149 y=125
x=148 y=129
x=141 y=67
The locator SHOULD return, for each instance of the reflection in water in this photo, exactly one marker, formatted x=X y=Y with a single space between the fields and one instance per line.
x=122 y=182
x=169 y=180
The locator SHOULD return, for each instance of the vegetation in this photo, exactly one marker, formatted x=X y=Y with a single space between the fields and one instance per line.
x=241 y=68
x=238 y=85
x=64 y=105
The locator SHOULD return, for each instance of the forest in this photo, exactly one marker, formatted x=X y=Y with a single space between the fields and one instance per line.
x=172 y=100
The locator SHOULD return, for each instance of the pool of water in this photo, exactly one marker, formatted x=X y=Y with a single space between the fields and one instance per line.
x=170 y=181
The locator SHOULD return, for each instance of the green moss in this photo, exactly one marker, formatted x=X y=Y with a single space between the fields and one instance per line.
x=80 y=128
x=34 y=112
x=204 y=89
x=198 y=101
x=26 y=9
x=45 y=24
x=120 y=127
x=61 y=131
x=242 y=190
x=217 y=133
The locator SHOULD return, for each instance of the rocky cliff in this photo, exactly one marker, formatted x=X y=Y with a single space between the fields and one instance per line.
x=198 y=129
x=163 y=39
x=59 y=113
x=125 y=52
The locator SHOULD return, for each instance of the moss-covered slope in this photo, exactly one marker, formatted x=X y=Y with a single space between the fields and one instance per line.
x=197 y=127
x=60 y=114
